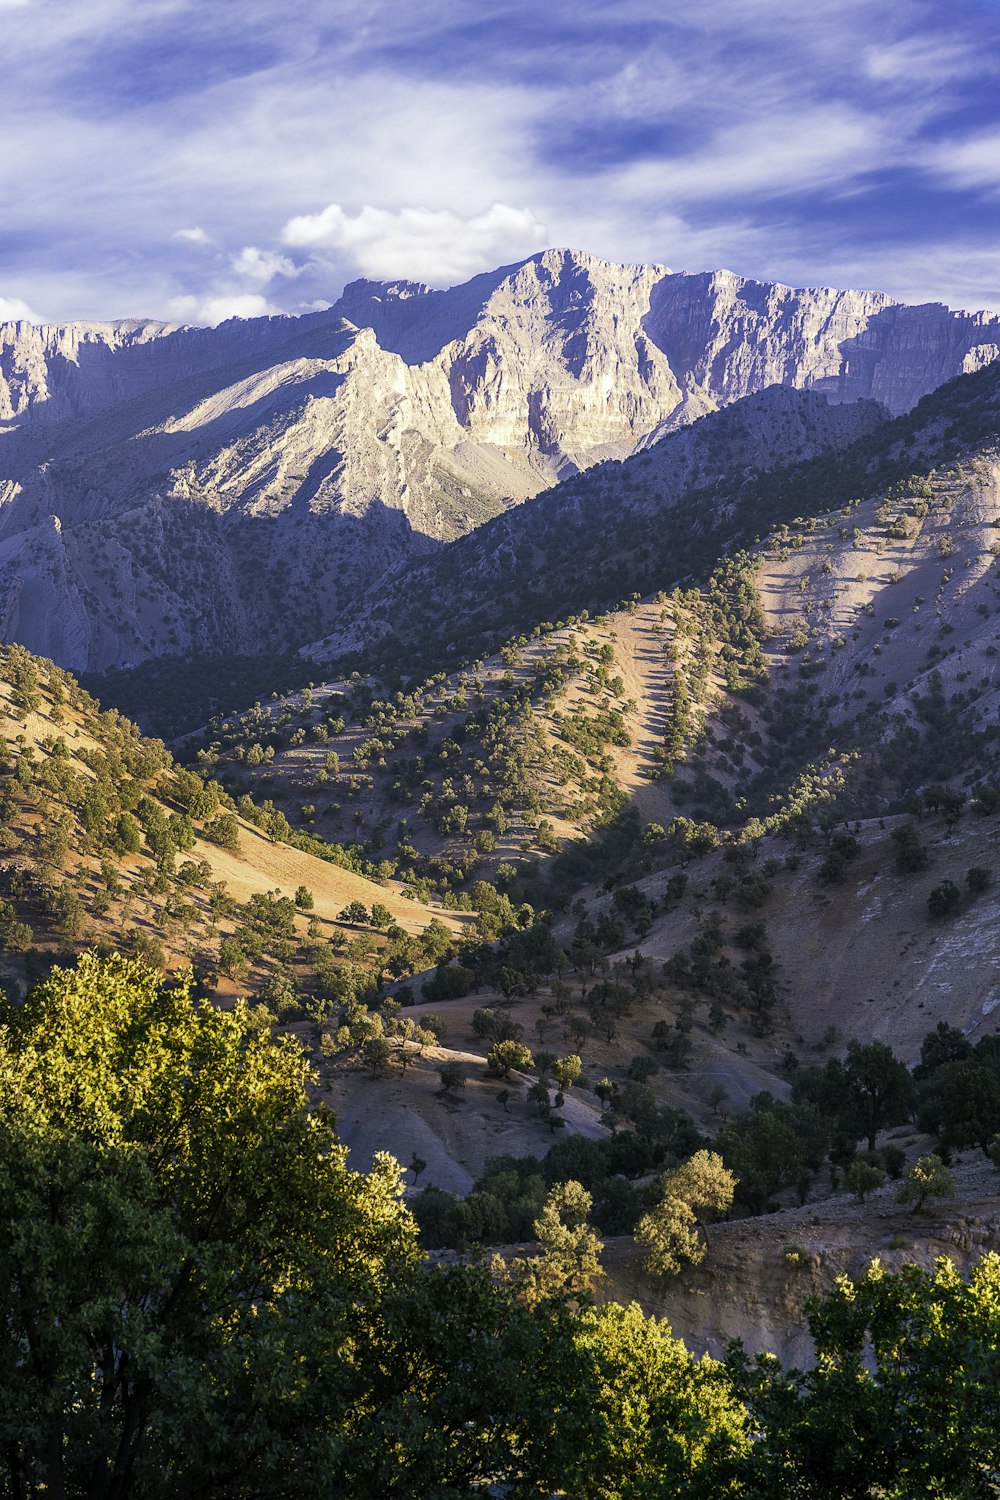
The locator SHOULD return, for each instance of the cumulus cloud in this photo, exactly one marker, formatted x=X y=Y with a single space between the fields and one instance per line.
x=435 y=245
x=15 y=309
x=217 y=307
x=261 y=266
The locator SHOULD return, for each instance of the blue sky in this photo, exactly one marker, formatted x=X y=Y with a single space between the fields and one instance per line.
x=194 y=160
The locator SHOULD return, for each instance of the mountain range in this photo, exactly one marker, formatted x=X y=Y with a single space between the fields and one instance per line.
x=169 y=491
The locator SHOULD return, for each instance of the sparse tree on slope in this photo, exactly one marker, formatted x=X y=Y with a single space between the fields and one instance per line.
x=675 y=1232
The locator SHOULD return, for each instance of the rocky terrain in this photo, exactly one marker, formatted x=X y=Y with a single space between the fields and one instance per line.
x=653 y=733
x=171 y=491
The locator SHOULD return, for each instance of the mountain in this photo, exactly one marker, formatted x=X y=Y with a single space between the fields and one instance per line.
x=172 y=491
x=864 y=619
x=665 y=514
x=614 y=829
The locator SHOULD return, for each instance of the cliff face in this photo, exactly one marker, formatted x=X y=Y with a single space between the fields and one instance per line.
x=170 y=489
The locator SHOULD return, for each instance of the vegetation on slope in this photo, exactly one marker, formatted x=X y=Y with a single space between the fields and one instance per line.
x=200 y=1298
x=107 y=841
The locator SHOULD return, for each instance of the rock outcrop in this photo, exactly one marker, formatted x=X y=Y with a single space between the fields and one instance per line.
x=173 y=490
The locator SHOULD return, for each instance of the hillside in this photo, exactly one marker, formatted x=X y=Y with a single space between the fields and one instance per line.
x=107 y=842
x=660 y=517
x=721 y=815
x=863 y=627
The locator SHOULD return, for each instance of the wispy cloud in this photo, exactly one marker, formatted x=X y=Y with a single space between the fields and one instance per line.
x=968 y=163
x=243 y=155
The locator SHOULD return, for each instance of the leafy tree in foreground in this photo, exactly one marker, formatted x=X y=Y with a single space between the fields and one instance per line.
x=665 y=1424
x=181 y=1245
x=199 y=1299
x=902 y=1401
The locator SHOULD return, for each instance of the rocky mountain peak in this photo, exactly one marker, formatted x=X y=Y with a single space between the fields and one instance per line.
x=295 y=459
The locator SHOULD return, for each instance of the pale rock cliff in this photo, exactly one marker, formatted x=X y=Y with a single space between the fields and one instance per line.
x=168 y=489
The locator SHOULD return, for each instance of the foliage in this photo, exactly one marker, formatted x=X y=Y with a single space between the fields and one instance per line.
x=569 y=1252
x=902 y=1400
x=927 y=1178
x=689 y=1197
x=169 y=1265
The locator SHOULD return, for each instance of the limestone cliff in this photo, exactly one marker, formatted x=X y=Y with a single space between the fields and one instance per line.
x=168 y=489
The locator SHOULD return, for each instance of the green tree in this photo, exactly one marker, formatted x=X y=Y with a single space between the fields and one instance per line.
x=508 y=1057
x=863 y=1177
x=675 y=1232
x=355 y=913
x=452 y=1076
x=569 y=1258
x=377 y=1055
x=767 y=1150
x=880 y=1087
x=968 y=1104
x=223 y=830
x=232 y=959
x=180 y=1246
x=664 y=1424
x=901 y=1400
x=567 y=1070
x=944 y=899
x=927 y=1178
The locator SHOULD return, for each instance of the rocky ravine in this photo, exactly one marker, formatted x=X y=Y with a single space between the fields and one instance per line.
x=760 y=1273
x=170 y=490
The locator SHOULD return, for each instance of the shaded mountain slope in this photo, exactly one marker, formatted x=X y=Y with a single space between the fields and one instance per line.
x=661 y=516
x=172 y=491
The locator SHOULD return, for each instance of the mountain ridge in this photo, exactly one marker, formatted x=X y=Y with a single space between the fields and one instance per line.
x=168 y=491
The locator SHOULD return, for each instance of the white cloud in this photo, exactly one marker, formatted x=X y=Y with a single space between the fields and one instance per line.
x=15 y=309
x=194 y=236
x=216 y=308
x=425 y=244
x=973 y=163
x=923 y=60
x=685 y=141
x=261 y=266
x=778 y=153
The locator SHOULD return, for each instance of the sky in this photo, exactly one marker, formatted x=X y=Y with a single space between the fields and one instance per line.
x=194 y=160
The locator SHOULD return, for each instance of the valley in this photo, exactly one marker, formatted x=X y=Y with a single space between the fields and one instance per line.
x=579 y=746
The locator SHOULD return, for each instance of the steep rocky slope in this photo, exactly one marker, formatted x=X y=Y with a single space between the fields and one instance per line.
x=169 y=491
x=663 y=515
